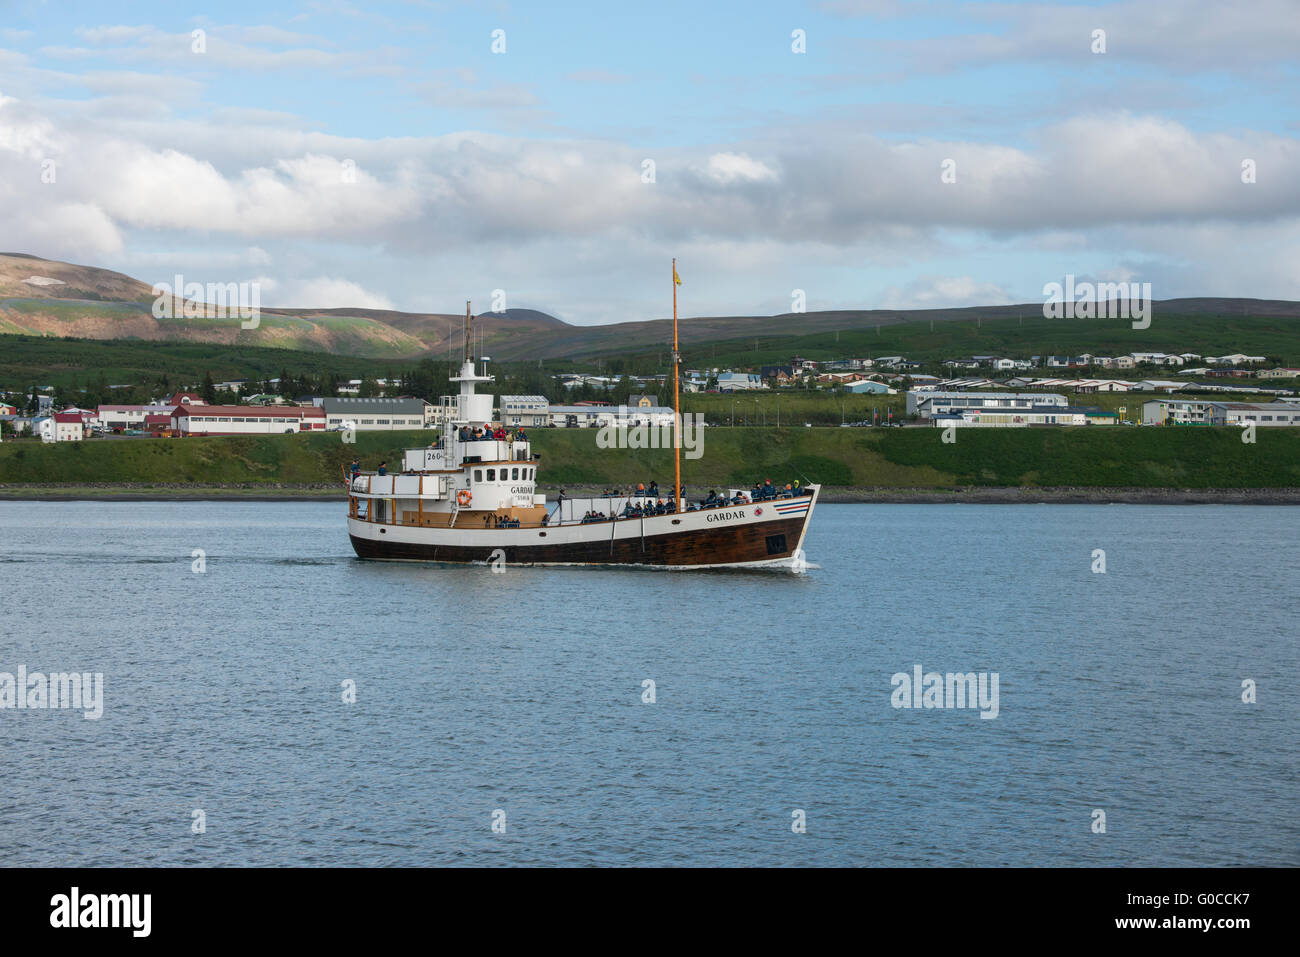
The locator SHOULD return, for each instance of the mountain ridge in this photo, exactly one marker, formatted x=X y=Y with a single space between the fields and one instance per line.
x=52 y=298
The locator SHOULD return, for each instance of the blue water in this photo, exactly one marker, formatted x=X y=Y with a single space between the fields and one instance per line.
x=523 y=692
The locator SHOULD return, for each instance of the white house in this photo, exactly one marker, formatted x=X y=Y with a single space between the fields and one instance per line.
x=60 y=427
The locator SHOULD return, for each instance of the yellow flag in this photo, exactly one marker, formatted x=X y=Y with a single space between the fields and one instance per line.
x=676 y=278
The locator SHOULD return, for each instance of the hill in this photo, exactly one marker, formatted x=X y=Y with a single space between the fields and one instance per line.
x=41 y=297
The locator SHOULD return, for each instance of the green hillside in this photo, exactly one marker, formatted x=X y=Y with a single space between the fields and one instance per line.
x=891 y=458
x=1278 y=337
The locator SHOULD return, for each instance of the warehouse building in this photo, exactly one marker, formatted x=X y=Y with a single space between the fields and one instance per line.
x=1201 y=412
x=129 y=416
x=372 y=415
x=594 y=416
x=245 y=420
x=1022 y=418
x=928 y=404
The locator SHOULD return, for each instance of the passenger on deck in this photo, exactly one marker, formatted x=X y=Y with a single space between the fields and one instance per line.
x=383 y=468
x=355 y=467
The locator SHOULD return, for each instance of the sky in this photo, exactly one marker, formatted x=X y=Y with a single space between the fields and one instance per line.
x=868 y=153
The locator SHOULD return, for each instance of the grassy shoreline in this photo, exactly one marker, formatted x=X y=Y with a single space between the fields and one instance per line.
x=886 y=461
x=975 y=495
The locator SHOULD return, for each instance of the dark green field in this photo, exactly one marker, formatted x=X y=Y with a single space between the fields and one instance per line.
x=1096 y=456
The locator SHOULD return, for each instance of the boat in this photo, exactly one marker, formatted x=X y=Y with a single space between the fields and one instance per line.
x=470 y=497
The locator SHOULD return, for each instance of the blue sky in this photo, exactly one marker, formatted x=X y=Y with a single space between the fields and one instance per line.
x=377 y=155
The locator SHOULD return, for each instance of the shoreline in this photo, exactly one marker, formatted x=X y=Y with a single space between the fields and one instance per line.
x=975 y=495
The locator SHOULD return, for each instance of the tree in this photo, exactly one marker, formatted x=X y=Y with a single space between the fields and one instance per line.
x=209 y=389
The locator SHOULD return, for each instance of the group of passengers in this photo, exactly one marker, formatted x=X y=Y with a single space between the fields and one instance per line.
x=759 y=493
x=466 y=434
x=658 y=507
x=501 y=521
x=594 y=516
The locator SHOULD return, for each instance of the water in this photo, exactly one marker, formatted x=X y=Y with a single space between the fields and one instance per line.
x=523 y=692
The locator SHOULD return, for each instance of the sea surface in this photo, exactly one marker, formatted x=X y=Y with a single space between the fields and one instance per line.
x=519 y=698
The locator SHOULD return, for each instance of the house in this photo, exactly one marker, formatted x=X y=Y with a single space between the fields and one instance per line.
x=965 y=384
x=1280 y=373
x=184 y=398
x=525 y=411
x=18 y=423
x=60 y=427
x=1156 y=358
x=1236 y=359
x=643 y=401
x=1103 y=385
x=1158 y=385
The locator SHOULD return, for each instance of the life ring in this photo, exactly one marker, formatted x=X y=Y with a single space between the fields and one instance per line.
x=463 y=497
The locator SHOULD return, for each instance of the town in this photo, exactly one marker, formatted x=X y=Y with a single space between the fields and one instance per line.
x=1006 y=395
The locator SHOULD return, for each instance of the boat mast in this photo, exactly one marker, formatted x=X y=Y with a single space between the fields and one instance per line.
x=469 y=322
x=677 y=412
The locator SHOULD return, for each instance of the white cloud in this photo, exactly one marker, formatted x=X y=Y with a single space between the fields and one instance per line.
x=738 y=167
x=940 y=292
x=321 y=292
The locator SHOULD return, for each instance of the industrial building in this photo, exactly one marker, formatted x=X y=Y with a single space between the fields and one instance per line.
x=929 y=404
x=376 y=415
x=525 y=411
x=1201 y=412
x=594 y=416
x=129 y=416
x=1020 y=418
x=245 y=420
